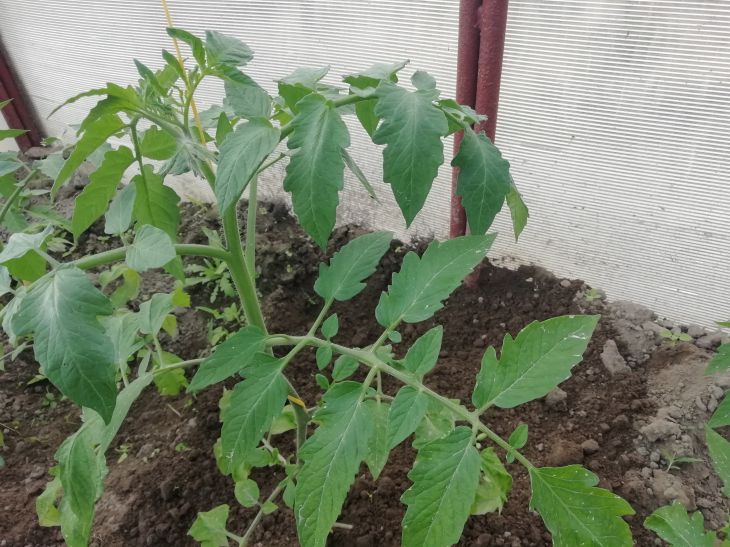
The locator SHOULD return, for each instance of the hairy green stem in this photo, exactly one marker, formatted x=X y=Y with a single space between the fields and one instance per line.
x=181 y=364
x=251 y=225
x=375 y=363
x=115 y=255
x=260 y=514
x=16 y=193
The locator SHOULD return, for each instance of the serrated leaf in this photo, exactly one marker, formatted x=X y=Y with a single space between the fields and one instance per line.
x=315 y=173
x=483 y=182
x=157 y=144
x=247 y=100
x=151 y=248
x=411 y=129
x=575 y=511
x=171 y=382
x=436 y=424
x=719 y=449
x=418 y=290
x=92 y=138
x=300 y=83
x=255 y=403
x=378 y=448
x=119 y=215
x=45 y=504
x=122 y=331
x=232 y=356
x=247 y=493
x=676 y=527
x=330 y=326
x=61 y=311
x=51 y=165
x=494 y=486
x=240 y=157
x=424 y=352
x=19 y=245
x=95 y=197
x=226 y=50
x=373 y=76
x=518 y=211
x=406 y=412
x=286 y=421
x=342 y=278
x=721 y=416
x=155 y=203
x=536 y=361
x=332 y=457
x=209 y=527
x=720 y=361
x=345 y=366
x=445 y=477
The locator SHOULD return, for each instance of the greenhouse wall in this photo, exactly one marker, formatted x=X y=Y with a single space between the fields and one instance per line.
x=614 y=115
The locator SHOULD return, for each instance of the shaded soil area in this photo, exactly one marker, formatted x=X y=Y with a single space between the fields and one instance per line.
x=162 y=470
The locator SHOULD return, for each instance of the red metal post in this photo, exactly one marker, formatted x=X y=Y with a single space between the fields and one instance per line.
x=17 y=114
x=467 y=63
x=482 y=30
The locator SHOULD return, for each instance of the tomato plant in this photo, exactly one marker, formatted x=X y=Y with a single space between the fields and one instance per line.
x=102 y=356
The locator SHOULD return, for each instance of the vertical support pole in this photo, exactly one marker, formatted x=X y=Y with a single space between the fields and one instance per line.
x=17 y=114
x=482 y=31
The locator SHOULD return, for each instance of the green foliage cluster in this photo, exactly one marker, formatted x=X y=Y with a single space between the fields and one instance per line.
x=102 y=355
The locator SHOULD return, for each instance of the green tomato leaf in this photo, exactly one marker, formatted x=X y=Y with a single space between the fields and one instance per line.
x=152 y=313
x=412 y=129
x=241 y=155
x=20 y=244
x=345 y=366
x=12 y=133
x=406 y=412
x=209 y=527
x=365 y=111
x=92 y=138
x=676 y=527
x=518 y=210
x=61 y=311
x=424 y=352
x=119 y=215
x=721 y=417
x=494 y=485
x=247 y=493
x=151 y=248
x=255 y=403
x=95 y=197
x=378 y=448
x=373 y=76
x=9 y=163
x=232 y=356
x=51 y=165
x=536 y=361
x=122 y=331
x=315 y=173
x=226 y=50
x=575 y=511
x=436 y=424
x=155 y=203
x=343 y=277
x=195 y=43
x=417 y=291
x=223 y=129
x=330 y=326
x=300 y=83
x=45 y=504
x=157 y=144
x=247 y=100
x=323 y=356
x=445 y=478
x=170 y=382
x=719 y=449
x=720 y=361
x=332 y=457
x=483 y=182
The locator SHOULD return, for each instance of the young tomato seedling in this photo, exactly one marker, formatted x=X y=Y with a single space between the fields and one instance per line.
x=89 y=347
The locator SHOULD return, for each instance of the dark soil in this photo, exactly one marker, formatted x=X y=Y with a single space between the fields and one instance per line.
x=169 y=473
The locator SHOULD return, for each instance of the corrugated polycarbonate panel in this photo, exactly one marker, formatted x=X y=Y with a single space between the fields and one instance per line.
x=614 y=114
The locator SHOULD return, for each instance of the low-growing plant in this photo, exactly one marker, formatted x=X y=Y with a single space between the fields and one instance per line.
x=89 y=345
x=673 y=523
x=674 y=337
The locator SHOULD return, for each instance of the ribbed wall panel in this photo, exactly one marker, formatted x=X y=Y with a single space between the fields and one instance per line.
x=615 y=115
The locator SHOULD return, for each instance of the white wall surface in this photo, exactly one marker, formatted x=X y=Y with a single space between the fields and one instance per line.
x=615 y=115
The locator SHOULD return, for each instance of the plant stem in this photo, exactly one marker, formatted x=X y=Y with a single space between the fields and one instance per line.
x=251 y=225
x=371 y=360
x=181 y=364
x=251 y=527
x=342 y=101
x=115 y=255
x=16 y=193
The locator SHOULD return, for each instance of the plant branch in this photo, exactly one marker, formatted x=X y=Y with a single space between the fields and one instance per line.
x=115 y=255
x=16 y=193
x=251 y=527
x=251 y=226
x=375 y=363
x=181 y=364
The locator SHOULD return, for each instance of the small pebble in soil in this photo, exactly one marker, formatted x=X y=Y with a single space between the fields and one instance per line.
x=590 y=446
